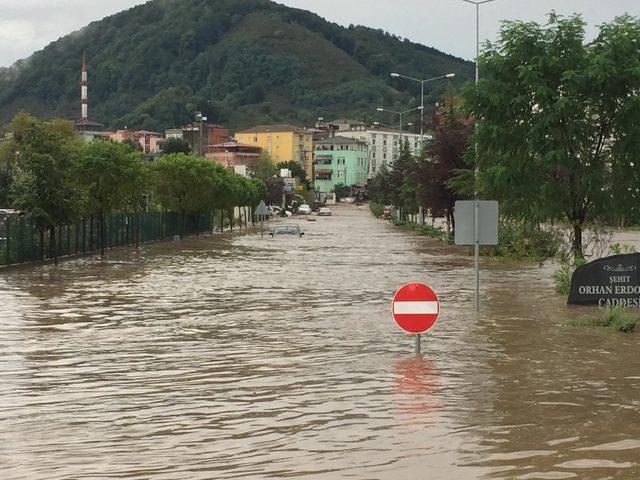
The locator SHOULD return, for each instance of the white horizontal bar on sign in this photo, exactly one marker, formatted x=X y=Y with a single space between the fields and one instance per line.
x=415 y=308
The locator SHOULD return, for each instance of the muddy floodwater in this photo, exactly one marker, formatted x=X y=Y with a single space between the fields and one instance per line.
x=241 y=357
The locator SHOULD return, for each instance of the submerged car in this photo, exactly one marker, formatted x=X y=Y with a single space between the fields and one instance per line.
x=286 y=229
x=304 y=209
x=324 y=212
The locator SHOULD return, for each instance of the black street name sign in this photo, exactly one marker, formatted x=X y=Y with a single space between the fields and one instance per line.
x=607 y=282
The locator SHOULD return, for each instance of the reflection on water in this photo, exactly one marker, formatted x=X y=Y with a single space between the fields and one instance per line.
x=242 y=357
x=415 y=384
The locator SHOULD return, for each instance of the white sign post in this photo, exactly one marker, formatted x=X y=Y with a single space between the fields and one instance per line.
x=262 y=211
x=476 y=224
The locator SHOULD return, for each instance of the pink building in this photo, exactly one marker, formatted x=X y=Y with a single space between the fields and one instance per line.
x=232 y=154
x=150 y=142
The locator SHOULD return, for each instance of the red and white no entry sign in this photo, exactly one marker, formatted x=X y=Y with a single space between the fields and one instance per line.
x=415 y=307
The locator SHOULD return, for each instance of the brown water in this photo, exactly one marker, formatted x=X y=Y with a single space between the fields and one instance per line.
x=242 y=357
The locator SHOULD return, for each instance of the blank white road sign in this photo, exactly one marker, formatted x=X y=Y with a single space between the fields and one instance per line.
x=487 y=222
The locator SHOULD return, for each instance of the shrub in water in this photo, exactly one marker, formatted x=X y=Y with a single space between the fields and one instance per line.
x=521 y=240
x=614 y=318
x=376 y=209
x=562 y=276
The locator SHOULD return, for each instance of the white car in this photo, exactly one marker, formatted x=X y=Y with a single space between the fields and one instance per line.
x=324 y=212
x=304 y=209
x=277 y=212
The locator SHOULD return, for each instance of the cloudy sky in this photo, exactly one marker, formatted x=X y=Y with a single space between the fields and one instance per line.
x=449 y=25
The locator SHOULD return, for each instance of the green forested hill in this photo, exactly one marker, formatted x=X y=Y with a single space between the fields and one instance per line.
x=241 y=62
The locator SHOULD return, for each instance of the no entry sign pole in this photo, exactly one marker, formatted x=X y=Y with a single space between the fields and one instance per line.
x=415 y=309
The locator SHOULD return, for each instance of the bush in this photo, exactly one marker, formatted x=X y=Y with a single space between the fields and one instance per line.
x=615 y=318
x=520 y=240
x=426 y=230
x=562 y=276
x=621 y=248
x=376 y=209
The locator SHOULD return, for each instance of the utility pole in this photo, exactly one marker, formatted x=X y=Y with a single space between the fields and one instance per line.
x=200 y=119
x=476 y=171
x=380 y=109
x=422 y=82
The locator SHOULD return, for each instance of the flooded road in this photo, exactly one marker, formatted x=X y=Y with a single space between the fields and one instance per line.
x=241 y=357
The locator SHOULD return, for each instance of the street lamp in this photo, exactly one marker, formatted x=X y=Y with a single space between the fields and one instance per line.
x=422 y=82
x=400 y=114
x=201 y=119
x=476 y=171
x=378 y=124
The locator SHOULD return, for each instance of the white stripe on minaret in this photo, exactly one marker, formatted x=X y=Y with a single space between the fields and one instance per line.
x=84 y=89
x=415 y=308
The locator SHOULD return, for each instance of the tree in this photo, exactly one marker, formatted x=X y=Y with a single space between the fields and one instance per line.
x=176 y=145
x=444 y=160
x=402 y=185
x=557 y=131
x=41 y=155
x=341 y=191
x=379 y=188
x=133 y=145
x=186 y=184
x=296 y=168
x=262 y=167
x=112 y=179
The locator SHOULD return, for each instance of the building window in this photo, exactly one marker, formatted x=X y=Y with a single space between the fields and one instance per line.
x=255 y=139
x=384 y=142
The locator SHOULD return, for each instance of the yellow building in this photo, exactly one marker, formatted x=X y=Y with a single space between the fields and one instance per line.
x=283 y=143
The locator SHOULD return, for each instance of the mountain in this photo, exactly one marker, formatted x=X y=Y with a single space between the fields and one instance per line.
x=240 y=62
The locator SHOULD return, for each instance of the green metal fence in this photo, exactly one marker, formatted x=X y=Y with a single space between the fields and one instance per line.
x=21 y=241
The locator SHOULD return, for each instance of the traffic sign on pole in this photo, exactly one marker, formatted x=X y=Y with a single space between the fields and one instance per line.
x=415 y=309
x=476 y=224
x=262 y=211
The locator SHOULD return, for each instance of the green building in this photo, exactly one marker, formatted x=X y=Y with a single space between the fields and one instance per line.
x=339 y=160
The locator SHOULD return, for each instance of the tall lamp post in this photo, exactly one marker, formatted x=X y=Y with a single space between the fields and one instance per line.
x=422 y=82
x=400 y=114
x=201 y=119
x=476 y=248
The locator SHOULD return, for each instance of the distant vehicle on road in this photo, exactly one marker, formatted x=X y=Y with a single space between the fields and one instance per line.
x=304 y=209
x=277 y=212
x=324 y=212
x=286 y=229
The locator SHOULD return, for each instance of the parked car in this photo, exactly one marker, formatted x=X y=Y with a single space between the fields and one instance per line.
x=324 y=212
x=275 y=211
x=286 y=229
x=304 y=209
